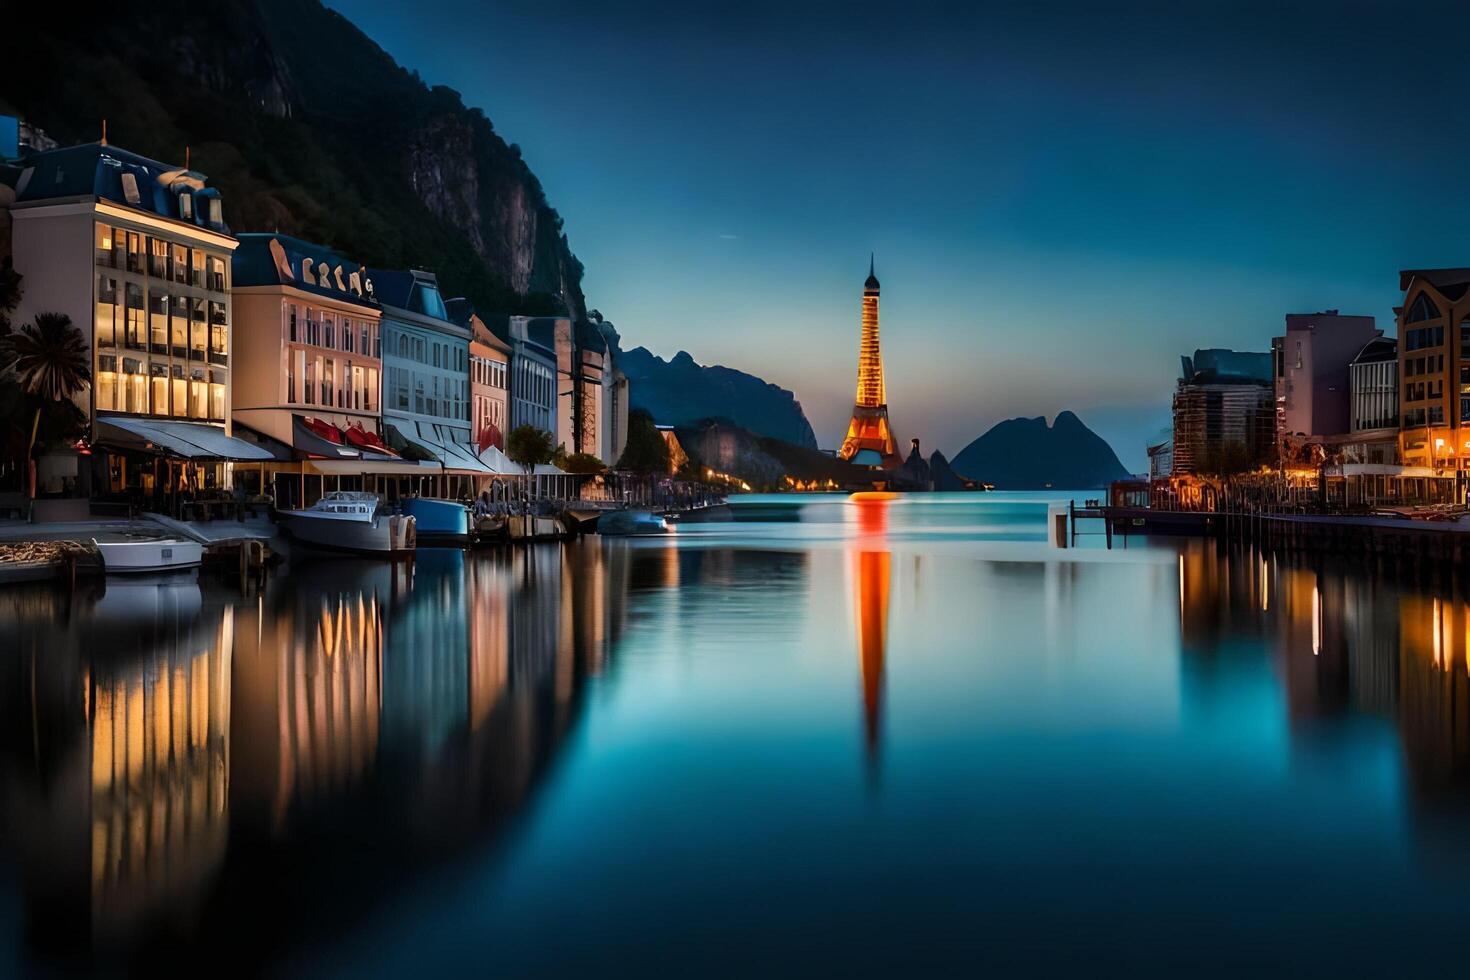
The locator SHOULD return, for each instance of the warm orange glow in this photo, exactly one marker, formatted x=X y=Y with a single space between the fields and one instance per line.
x=869 y=426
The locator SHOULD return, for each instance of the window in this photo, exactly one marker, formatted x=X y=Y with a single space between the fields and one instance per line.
x=198 y=394
x=308 y=386
x=135 y=328
x=1436 y=415
x=216 y=211
x=178 y=336
x=105 y=254
x=134 y=396
x=216 y=274
x=135 y=252
x=365 y=348
x=196 y=267
x=186 y=206
x=291 y=322
x=106 y=382
x=158 y=322
x=347 y=336
x=328 y=383
x=217 y=395
x=158 y=253
x=180 y=390
x=130 y=189
x=198 y=330
x=158 y=386
x=109 y=317
x=328 y=340
x=180 y=262
x=219 y=334
x=1422 y=309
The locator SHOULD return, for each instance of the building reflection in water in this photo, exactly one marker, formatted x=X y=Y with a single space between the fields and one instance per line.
x=870 y=569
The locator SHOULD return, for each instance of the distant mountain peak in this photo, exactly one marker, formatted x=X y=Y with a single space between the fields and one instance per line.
x=682 y=391
x=1028 y=454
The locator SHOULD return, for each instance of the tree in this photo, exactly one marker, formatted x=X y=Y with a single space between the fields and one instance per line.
x=50 y=362
x=528 y=445
x=580 y=463
x=646 y=452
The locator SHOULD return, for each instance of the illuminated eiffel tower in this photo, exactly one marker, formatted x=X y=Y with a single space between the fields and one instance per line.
x=870 y=439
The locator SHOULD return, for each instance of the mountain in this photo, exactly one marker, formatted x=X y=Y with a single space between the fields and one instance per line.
x=309 y=128
x=763 y=461
x=682 y=392
x=1027 y=454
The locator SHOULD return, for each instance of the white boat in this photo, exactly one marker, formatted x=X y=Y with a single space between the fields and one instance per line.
x=353 y=521
x=133 y=555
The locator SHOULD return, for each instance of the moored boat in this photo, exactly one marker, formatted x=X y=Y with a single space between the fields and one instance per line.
x=134 y=555
x=627 y=522
x=438 y=521
x=351 y=521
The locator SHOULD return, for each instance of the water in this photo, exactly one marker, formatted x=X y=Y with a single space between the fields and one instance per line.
x=892 y=737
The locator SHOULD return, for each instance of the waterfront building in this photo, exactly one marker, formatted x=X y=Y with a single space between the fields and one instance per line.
x=1161 y=455
x=308 y=357
x=1223 y=412
x=489 y=377
x=1312 y=361
x=137 y=254
x=613 y=416
x=533 y=397
x=1434 y=369
x=869 y=440
x=426 y=378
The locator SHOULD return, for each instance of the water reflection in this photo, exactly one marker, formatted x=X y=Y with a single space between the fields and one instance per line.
x=870 y=569
x=181 y=766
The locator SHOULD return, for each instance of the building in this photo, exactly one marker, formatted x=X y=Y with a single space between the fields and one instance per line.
x=137 y=254
x=489 y=377
x=613 y=419
x=426 y=378
x=1161 y=456
x=1224 y=417
x=308 y=357
x=869 y=440
x=1434 y=369
x=581 y=356
x=533 y=395
x=1311 y=367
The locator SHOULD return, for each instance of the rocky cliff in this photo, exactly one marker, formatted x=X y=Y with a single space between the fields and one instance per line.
x=1028 y=454
x=309 y=127
x=682 y=391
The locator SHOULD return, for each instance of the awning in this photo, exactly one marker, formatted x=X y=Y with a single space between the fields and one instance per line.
x=313 y=446
x=457 y=459
x=499 y=462
x=185 y=440
x=379 y=465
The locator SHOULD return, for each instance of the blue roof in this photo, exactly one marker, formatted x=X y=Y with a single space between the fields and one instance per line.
x=1219 y=366
x=255 y=263
x=98 y=170
x=416 y=291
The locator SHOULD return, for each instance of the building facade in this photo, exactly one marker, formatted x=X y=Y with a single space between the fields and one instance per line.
x=1224 y=416
x=137 y=254
x=533 y=395
x=426 y=372
x=1434 y=369
x=1312 y=363
x=489 y=377
x=307 y=338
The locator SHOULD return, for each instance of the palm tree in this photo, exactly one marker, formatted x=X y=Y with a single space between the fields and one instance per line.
x=51 y=363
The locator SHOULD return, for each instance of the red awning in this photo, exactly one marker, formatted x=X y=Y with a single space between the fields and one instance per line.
x=362 y=438
x=324 y=429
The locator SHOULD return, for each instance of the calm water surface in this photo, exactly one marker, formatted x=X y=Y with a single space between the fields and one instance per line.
x=843 y=739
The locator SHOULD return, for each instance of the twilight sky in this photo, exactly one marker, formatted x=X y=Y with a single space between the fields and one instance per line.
x=1063 y=198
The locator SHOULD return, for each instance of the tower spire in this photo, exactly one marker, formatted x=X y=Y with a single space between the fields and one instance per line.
x=869 y=439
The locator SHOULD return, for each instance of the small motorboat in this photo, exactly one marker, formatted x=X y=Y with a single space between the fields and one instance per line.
x=438 y=521
x=487 y=528
x=352 y=521
x=529 y=527
x=137 y=554
x=627 y=522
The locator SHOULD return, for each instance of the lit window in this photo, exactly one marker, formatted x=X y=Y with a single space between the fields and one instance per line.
x=130 y=189
x=186 y=206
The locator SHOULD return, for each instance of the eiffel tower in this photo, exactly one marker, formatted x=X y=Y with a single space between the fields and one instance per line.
x=870 y=439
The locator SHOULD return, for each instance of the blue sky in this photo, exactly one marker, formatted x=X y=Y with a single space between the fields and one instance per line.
x=1062 y=199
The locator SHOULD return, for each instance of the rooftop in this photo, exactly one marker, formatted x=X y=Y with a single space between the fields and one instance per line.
x=110 y=173
x=1217 y=366
x=265 y=259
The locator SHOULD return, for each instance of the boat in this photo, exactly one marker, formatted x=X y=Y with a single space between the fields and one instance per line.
x=528 y=527
x=136 y=554
x=438 y=521
x=351 y=521
x=628 y=522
